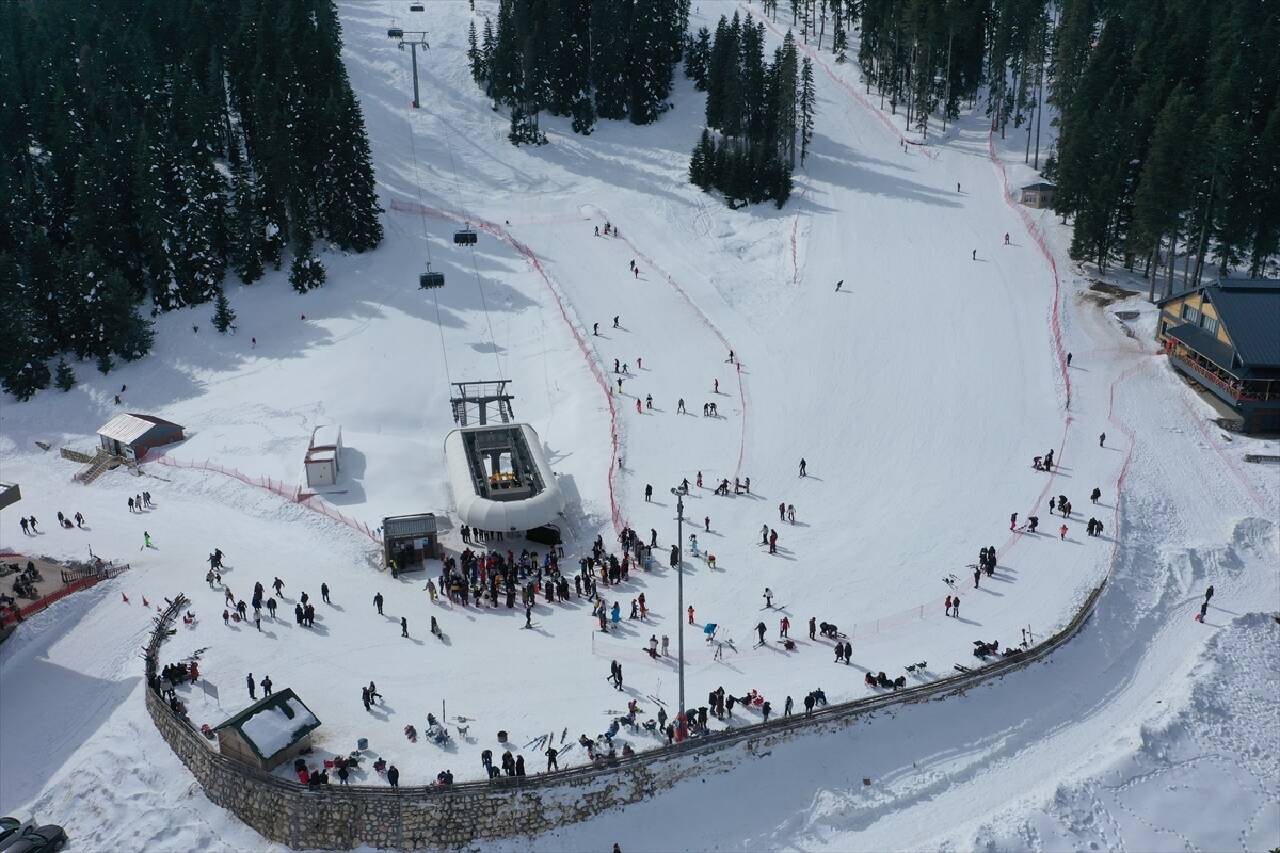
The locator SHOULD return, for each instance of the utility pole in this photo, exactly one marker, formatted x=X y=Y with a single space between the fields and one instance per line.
x=680 y=617
x=403 y=38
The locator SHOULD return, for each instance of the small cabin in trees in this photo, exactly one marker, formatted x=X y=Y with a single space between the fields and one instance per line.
x=132 y=435
x=1226 y=337
x=324 y=456
x=1038 y=195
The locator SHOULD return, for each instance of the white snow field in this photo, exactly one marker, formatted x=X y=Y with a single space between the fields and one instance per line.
x=918 y=396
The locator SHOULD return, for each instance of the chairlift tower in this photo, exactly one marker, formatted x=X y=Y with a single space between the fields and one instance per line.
x=413 y=39
x=472 y=401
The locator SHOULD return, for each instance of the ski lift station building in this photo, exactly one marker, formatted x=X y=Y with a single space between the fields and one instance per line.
x=324 y=456
x=501 y=479
x=131 y=436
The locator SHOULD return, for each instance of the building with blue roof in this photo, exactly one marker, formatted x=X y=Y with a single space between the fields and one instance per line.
x=1226 y=337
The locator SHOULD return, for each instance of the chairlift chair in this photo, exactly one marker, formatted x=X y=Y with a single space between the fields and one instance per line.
x=395 y=33
x=464 y=237
x=417 y=7
x=430 y=280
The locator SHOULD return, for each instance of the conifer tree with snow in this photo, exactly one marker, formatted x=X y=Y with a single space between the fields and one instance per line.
x=64 y=377
x=306 y=272
x=223 y=315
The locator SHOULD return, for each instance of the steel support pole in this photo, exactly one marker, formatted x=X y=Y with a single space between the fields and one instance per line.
x=413 y=51
x=680 y=615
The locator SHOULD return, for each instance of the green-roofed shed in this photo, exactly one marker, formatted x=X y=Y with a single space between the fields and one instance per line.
x=269 y=732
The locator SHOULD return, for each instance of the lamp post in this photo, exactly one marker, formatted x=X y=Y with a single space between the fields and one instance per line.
x=401 y=37
x=679 y=493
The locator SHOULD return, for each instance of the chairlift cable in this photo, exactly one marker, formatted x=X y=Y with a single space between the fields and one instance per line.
x=422 y=213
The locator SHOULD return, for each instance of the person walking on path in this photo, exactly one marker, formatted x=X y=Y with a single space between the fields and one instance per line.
x=783 y=627
x=946 y=606
x=528 y=616
x=1062 y=533
x=404 y=627
x=839 y=284
x=1208 y=594
x=324 y=593
x=248 y=681
x=266 y=685
x=955 y=606
x=802 y=466
x=1013 y=520
x=377 y=602
x=690 y=614
x=1102 y=440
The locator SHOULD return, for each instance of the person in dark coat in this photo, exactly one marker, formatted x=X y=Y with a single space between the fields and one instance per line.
x=808 y=704
x=393 y=776
x=377 y=602
x=519 y=765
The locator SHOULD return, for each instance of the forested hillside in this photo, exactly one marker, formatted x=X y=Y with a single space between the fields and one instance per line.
x=1167 y=111
x=585 y=58
x=149 y=146
x=1170 y=130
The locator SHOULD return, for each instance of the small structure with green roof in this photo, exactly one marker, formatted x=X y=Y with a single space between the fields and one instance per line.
x=269 y=732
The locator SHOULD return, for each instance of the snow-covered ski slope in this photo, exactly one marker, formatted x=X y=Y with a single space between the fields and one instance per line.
x=918 y=396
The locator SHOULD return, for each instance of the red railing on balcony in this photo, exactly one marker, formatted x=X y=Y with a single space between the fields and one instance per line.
x=1237 y=389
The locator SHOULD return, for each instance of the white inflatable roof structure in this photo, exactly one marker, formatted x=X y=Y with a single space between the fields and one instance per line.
x=500 y=478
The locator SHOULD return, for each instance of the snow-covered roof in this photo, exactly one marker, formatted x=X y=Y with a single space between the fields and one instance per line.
x=326 y=436
x=128 y=428
x=509 y=515
x=273 y=723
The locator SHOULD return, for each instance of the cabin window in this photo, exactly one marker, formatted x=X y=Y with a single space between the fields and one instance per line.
x=1190 y=314
x=1210 y=324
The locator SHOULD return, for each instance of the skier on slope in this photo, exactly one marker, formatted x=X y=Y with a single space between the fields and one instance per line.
x=839 y=284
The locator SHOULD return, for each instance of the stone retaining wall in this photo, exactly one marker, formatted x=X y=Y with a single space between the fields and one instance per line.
x=343 y=817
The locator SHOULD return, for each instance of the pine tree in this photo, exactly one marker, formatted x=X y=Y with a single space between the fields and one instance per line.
x=23 y=370
x=223 y=315
x=487 y=48
x=246 y=241
x=807 y=99
x=307 y=272
x=696 y=59
x=129 y=335
x=584 y=116
x=352 y=209
x=64 y=377
x=474 y=56
x=104 y=363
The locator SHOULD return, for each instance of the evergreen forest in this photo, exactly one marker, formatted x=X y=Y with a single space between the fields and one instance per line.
x=1167 y=112
x=610 y=59
x=148 y=147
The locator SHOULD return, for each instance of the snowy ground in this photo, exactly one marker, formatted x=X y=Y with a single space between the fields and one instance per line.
x=918 y=397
